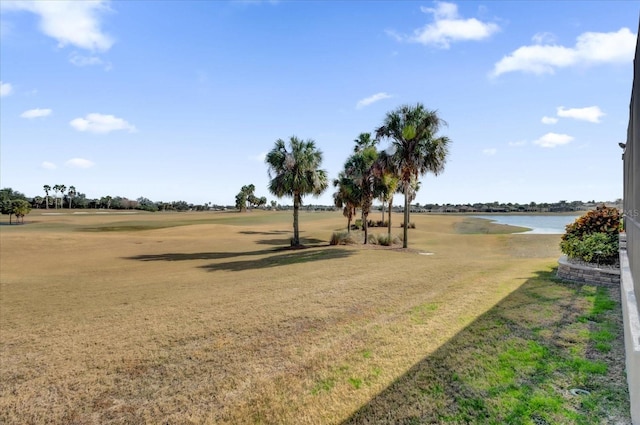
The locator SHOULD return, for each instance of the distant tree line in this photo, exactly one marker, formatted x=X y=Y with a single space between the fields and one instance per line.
x=60 y=197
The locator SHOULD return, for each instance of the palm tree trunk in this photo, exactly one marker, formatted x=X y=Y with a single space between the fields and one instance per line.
x=382 y=211
x=389 y=223
x=365 y=227
x=296 y=232
x=405 y=233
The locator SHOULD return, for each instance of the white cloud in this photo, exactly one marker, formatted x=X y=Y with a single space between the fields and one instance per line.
x=591 y=48
x=549 y=120
x=80 y=60
x=518 y=143
x=372 y=99
x=99 y=123
x=69 y=22
x=490 y=151
x=48 y=165
x=36 y=113
x=551 y=140
x=79 y=163
x=5 y=89
x=591 y=113
x=544 y=38
x=448 y=27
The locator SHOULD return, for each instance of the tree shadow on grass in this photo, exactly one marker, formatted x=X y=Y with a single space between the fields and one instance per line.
x=268 y=233
x=307 y=242
x=514 y=364
x=180 y=256
x=296 y=256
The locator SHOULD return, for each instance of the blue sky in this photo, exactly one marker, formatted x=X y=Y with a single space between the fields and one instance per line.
x=180 y=100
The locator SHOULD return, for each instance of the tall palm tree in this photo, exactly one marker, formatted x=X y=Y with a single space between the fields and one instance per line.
x=360 y=168
x=62 y=188
x=71 y=194
x=389 y=187
x=346 y=197
x=56 y=189
x=295 y=172
x=417 y=150
x=46 y=188
x=388 y=181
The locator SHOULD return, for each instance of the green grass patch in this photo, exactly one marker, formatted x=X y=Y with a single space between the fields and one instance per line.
x=474 y=226
x=517 y=366
x=421 y=313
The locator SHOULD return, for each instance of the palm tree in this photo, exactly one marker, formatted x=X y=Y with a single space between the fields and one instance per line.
x=346 y=197
x=62 y=188
x=46 y=188
x=363 y=142
x=71 y=194
x=389 y=187
x=417 y=150
x=56 y=189
x=296 y=172
x=37 y=201
x=360 y=169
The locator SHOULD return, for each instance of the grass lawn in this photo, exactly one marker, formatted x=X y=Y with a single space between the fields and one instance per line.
x=208 y=318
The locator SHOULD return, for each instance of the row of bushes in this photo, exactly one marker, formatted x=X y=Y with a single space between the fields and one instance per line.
x=346 y=238
x=357 y=225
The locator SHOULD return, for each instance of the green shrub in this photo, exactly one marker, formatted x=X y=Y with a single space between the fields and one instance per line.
x=341 y=238
x=597 y=248
x=601 y=220
x=593 y=237
x=383 y=239
x=357 y=225
x=377 y=223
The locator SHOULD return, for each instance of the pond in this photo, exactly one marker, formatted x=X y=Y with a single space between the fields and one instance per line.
x=539 y=224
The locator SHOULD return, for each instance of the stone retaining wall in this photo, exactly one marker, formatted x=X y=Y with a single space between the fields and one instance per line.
x=591 y=275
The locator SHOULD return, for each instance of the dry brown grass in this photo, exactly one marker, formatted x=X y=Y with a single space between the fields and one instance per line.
x=210 y=323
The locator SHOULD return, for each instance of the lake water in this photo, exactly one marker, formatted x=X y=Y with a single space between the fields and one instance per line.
x=539 y=224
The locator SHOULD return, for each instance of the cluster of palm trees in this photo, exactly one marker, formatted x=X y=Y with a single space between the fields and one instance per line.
x=58 y=200
x=368 y=174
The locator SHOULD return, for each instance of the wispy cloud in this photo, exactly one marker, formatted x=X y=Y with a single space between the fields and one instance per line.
x=517 y=143
x=591 y=48
x=490 y=151
x=447 y=27
x=80 y=60
x=101 y=124
x=590 y=113
x=36 y=113
x=551 y=140
x=5 y=89
x=260 y=157
x=79 y=163
x=549 y=120
x=74 y=23
x=372 y=99
x=48 y=165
